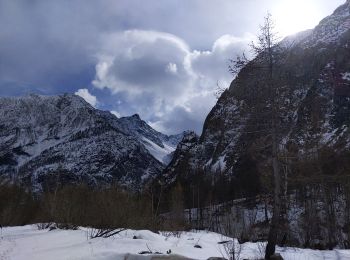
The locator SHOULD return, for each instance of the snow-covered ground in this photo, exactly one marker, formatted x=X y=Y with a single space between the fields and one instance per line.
x=28 y=242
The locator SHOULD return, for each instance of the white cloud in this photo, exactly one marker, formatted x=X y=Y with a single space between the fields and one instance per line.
x=227 y=41
x=85 y=94
x=116 y=113
x=212 y=66
x=171 y=68
x=163 y=80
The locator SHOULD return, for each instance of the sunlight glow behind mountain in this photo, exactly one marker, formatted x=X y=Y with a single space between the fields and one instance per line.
x=293 y=16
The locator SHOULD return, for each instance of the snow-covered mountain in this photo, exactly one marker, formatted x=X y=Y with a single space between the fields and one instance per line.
x=44 y=139
x=314 y=73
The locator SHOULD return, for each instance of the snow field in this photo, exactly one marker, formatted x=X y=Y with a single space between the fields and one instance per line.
x=27 y=242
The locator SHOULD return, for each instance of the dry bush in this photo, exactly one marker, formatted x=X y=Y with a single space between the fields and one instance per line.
x=17 y=206
x=103 y=209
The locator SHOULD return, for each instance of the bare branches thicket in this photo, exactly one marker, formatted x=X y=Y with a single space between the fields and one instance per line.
x=105 y=233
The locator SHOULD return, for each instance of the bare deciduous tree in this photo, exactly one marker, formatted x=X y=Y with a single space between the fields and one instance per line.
x=265 y=103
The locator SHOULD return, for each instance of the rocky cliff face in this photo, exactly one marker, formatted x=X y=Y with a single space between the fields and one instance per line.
x=45 y=139
x=314 y=75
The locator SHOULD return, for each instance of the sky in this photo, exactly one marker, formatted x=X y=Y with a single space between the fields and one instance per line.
x=161 y=59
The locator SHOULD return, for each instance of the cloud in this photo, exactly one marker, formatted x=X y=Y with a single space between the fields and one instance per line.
x=116 y=113
x=85 y=94
x=171 y=68
x=137 y=61
x=149 y=71
x=181 y=118
x=158 y=76
x=47 y=42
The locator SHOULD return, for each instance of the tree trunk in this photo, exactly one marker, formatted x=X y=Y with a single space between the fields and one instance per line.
x=275 y=221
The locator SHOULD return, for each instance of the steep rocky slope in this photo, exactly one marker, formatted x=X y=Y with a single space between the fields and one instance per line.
x=314 y=75
x=45 y=139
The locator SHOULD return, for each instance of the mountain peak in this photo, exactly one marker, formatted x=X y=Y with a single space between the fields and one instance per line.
x=136 y=116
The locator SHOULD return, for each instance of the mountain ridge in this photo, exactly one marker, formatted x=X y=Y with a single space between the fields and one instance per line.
x=42 y=135
x=316 y=92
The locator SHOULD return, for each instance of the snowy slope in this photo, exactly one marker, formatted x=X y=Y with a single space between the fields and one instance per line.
x=158 y=144
x=159 y=152
x=29 y=243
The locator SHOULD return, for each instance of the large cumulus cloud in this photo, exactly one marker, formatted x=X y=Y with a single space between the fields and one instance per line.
x=171 y=85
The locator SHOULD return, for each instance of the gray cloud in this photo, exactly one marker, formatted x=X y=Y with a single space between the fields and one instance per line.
x=139 y=60
x=42 y=40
